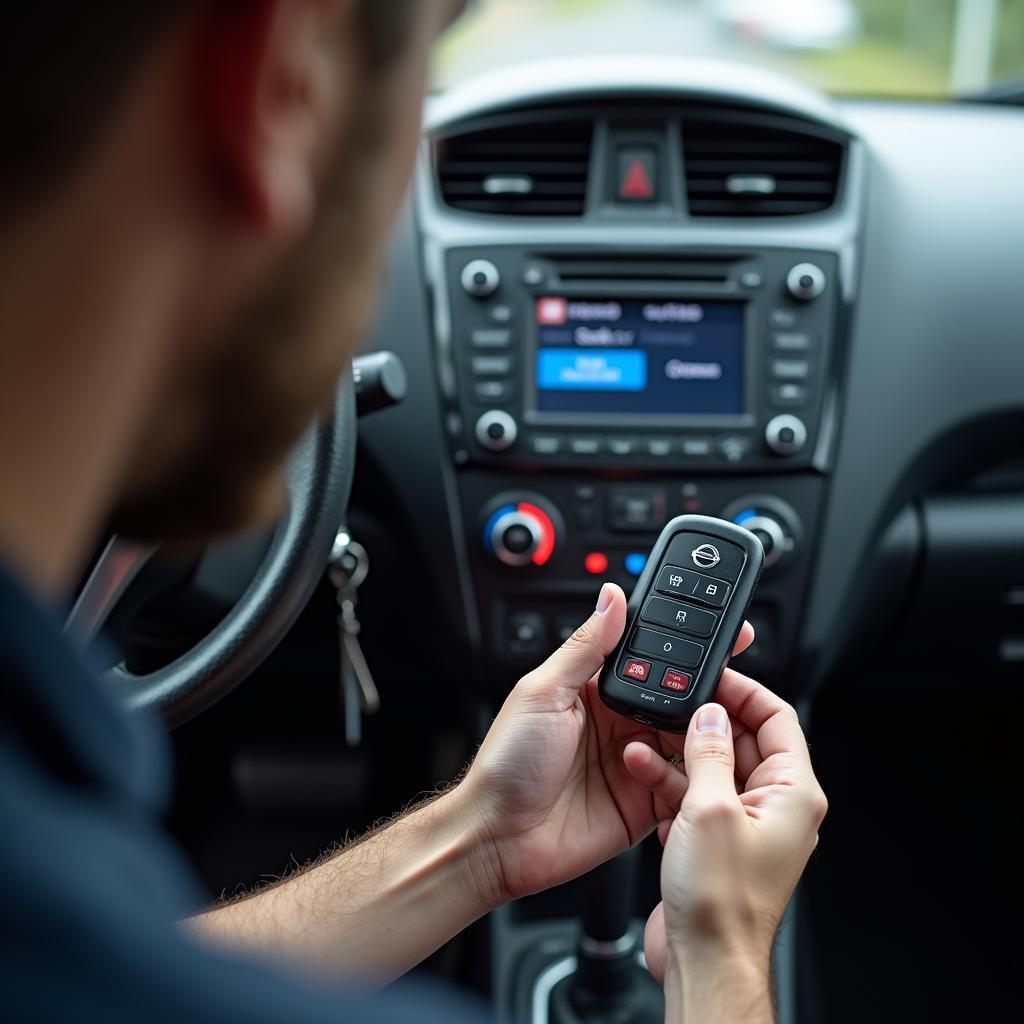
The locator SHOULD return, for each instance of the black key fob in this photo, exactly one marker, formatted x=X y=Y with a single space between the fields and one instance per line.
x=682 y=621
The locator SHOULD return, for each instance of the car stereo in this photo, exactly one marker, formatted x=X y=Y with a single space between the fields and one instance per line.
x=662 y=359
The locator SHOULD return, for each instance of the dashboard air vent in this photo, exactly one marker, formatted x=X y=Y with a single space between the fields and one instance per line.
x=535 y=169
x=744 y=169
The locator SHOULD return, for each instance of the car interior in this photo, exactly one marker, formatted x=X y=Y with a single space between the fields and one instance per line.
x=658 y=258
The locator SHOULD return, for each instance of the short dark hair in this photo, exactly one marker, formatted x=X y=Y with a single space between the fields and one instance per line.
x=62 y=67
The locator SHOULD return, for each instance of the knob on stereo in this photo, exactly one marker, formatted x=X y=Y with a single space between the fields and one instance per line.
x=520 y=533
x=480 y=278
x=785 y=434
x=496 y=430
x=806 y=281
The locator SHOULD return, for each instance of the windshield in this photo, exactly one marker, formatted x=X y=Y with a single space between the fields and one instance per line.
x=923 y=48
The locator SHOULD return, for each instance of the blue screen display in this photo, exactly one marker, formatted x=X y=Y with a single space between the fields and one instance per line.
x=639 y=357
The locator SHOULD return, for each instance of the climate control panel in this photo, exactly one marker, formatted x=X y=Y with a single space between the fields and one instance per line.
x=539 y=553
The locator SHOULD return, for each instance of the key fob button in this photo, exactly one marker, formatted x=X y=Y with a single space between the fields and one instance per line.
x=637 y=671
x=665 y=647
x=673 y=680
x=684 y=618
x=674 y=579
x=712 y=591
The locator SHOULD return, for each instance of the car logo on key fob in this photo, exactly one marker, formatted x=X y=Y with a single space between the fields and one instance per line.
x=706 y=556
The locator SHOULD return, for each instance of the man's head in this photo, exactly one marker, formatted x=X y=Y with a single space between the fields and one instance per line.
x=269 y=144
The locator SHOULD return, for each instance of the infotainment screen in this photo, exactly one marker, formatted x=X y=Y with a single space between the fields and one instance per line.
x=639 y=357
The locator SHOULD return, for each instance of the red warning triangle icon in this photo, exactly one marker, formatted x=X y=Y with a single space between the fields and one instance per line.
x=636 y=182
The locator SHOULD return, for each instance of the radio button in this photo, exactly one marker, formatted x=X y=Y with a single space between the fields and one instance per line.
x=636 y=509
x=792 y=341
x=490 y=337
x=492 y=366
x=791 y=369
x=546 y=444
x=586 y=444
x=488 y=391
x=782 y=318
x=501 y=313
x=623 y=445
x=534 y=275
x=659 y=447
x=696 y=447
x=787 y=395
x=734 y=448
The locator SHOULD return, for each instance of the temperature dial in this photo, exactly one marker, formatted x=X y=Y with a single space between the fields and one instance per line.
x=520 y=533
x=774 y=523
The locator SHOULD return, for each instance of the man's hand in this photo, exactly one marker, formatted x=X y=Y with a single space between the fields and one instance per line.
x=749 y=812
x=551 y=788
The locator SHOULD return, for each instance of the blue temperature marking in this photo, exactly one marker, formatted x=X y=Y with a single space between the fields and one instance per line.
x=747 y=513
x=489 y=525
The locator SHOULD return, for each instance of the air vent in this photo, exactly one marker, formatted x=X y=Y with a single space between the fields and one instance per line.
x=536 y=169
x=741 y=169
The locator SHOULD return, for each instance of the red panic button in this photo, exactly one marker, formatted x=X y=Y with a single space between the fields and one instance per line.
x=675 y=680
x=596 y=563
x=637 y=670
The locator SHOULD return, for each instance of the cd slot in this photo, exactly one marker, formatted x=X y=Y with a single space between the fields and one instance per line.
x=619 y=268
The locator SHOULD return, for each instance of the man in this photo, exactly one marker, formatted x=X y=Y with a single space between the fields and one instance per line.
x=195 y=199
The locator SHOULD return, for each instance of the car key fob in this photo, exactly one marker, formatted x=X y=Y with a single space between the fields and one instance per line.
x=682 y=621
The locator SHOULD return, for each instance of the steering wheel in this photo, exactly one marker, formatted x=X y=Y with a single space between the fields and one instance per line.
x=319 y=484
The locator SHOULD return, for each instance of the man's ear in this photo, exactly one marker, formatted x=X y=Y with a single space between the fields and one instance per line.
x=270 y=104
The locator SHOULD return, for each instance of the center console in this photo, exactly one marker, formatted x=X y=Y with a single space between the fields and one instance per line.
x=640 y=289
x=641 y=277
x=592 y=395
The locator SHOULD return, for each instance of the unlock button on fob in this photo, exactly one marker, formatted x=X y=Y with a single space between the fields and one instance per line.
x=665 y=647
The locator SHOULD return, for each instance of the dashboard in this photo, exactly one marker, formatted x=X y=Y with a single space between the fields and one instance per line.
x=633 y=289
x=624 y=289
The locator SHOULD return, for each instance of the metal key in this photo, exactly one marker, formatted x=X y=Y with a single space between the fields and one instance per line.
x=348 y=568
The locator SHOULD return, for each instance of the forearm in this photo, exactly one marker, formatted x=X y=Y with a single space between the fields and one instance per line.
x=378 y=907
x=722 y=991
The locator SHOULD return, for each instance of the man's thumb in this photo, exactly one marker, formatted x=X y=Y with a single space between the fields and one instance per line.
x=709 y=755
x=585 y=651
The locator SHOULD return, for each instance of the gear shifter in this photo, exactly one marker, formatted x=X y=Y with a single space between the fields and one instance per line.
x=610 y=985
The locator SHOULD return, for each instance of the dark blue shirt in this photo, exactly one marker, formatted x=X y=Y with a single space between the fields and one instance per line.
x=92 y=889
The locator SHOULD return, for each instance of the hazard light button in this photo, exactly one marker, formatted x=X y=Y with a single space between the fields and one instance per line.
x=638 y=175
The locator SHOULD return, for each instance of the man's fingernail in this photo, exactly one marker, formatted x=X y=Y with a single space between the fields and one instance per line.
x=712 y=718
x=604 y=599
